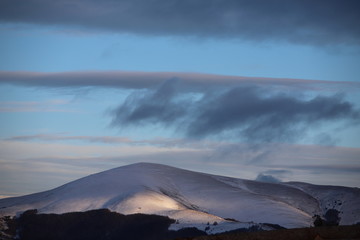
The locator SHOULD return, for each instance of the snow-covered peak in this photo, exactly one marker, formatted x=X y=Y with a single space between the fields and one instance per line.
x=192 y=197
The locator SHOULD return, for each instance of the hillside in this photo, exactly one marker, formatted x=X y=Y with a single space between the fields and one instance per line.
x=210 y=202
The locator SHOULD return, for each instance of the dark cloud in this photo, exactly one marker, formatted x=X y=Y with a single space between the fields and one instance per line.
x=274 y=118
x=297 y=21
x=248 y=112
x=159 y=106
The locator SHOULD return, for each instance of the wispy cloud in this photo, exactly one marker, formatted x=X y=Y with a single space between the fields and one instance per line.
x=55 y=137
x=111 y=140
x=273 y=156
x=190 y=82
x=35 y=106
x=301 y=21
x=325 y=168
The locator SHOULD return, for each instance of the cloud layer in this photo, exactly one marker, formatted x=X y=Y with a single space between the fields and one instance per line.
x=140 y=80
x=298 y=21
x=204 y=105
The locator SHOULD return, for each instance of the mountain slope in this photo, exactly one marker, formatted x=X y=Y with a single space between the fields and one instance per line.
x=192 y=198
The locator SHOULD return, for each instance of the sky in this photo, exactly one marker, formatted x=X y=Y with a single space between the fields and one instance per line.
x=261 y=90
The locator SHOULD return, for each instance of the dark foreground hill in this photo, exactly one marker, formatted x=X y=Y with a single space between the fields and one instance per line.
x=103 y=224
x=99 y=224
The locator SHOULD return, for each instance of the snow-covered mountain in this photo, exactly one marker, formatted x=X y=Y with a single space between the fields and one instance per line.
x=193 y=199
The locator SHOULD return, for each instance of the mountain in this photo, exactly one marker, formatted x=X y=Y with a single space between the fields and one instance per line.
x=202 y=200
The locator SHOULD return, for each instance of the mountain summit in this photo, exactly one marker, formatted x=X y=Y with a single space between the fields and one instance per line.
x=194 y=198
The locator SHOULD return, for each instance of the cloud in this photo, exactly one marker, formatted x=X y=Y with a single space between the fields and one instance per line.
x=273 y=175
x=61 y=137
x=118 y=140
x=330 y=169
x=34 y=106
x=257 y=117
x=299 y=21
x=158 y=106
x=249 y=112
x=205 y=105
x=267 y=178
x=197 y=82
x=160 y=142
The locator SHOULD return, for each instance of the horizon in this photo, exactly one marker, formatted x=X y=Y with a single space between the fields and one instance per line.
x=247 y=90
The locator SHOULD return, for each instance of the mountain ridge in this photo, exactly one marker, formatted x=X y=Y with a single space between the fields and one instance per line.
x=193 y=198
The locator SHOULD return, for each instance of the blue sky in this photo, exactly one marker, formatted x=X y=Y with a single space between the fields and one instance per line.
x=233 y=88
x=51 y=49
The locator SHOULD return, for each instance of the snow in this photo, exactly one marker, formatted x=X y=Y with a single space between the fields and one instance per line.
x=335 y=197
x=193 y=199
